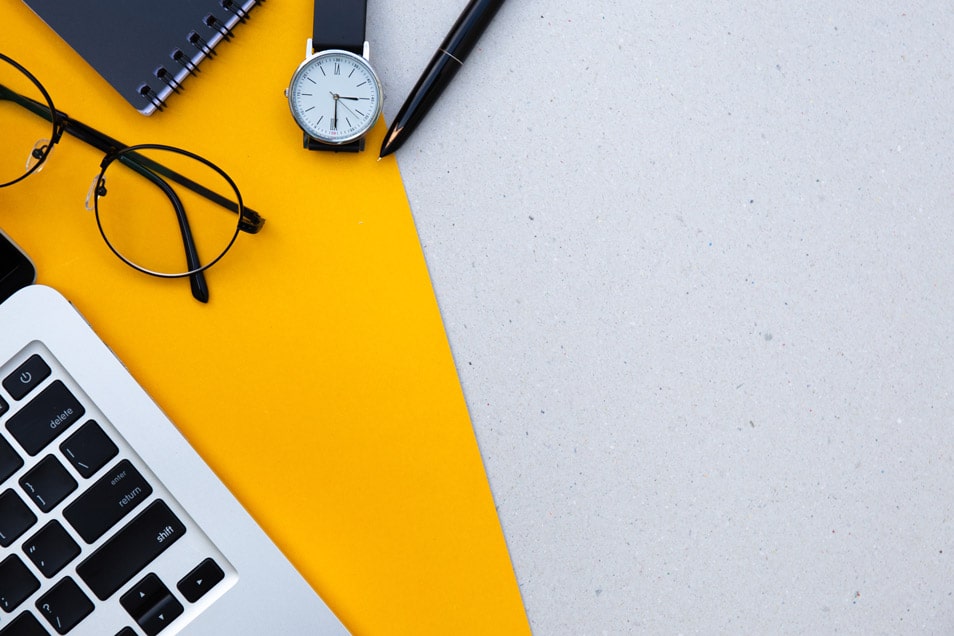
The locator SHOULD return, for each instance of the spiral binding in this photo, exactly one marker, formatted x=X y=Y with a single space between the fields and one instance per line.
x=146 y=91
x=234 y=9
x=214 y=23
x=199 y=40
x=185 y=62
x=168 y=79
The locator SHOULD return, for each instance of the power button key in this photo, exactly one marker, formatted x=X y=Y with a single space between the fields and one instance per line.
x=26 y=377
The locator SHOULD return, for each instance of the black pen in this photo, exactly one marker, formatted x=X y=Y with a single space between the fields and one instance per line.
x=449 y=57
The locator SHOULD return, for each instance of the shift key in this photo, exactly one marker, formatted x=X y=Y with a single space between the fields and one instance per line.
x=131 y=549
x=112 y=497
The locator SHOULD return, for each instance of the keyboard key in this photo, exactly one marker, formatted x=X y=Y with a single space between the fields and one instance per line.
x=26 y=377
x=51 y=548
x=131 y=549
x=64 y=606
x=88 y=449
x=10 y=460
x=24 y=625
x=143 y=595
x=16 y=583
x=42 y=420
x=151 y=604
x=125 y=631
x=160 y=615
x=112 y=497
x=15 y=517
x=48 y=483
x=203 y=578
x=4 y=407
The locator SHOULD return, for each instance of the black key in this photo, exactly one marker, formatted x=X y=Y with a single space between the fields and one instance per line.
x=4 y=407
x=16 y=583
x=203 y=578
x=126 y=631
x=160 y=615
x=131 y=549
x=24 y=625
x=64 y=606
x=88 y=449
x=112 y=497
x=143 y=595
x=26 y=377
x=10 y=460
x=151 y=604
x=48 y=483
x=15 y=517
x=51 y=548
x=50 y=413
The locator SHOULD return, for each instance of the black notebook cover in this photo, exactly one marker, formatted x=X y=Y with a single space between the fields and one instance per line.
x=144 y=48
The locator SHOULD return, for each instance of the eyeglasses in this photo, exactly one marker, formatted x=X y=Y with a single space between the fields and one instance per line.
x=142 y=193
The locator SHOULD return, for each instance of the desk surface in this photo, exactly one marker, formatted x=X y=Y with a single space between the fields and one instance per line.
x=694 y=263
x=318 y=382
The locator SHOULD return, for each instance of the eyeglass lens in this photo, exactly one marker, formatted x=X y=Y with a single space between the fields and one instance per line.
x=23 y=131
x=162 y=210
x=165 y=211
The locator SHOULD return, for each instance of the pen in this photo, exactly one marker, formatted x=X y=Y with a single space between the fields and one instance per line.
x=442 y=68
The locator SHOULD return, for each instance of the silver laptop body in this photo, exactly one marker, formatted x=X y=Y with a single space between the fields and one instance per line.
x=143 y=539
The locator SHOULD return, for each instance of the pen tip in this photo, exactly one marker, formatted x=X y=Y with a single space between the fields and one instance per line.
x=390 y=142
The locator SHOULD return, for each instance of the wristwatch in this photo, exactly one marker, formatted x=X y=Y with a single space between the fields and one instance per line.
x=335 y=95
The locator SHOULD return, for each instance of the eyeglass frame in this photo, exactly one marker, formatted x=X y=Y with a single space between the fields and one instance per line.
x=250 y=221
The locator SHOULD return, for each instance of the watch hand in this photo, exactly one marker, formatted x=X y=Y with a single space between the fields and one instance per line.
x=334 y=121
x=345 y=106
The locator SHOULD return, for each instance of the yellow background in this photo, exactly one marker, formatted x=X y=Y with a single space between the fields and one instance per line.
x=317 y=382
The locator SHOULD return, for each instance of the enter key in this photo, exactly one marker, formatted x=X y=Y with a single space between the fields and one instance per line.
x=112 y=497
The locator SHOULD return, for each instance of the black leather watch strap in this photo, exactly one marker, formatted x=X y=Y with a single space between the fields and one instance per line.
x=354 y=146
x=339 y=24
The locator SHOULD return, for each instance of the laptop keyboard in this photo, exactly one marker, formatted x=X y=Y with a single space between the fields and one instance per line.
x=90 y=540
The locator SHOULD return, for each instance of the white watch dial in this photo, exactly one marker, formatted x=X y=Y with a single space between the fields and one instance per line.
x=335 y=96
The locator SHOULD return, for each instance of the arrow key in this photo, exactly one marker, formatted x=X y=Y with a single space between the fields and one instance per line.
x=160 y=615
x=151 y=604
x=200 y=580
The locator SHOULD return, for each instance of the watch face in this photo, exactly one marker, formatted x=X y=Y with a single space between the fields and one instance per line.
x=335 y=96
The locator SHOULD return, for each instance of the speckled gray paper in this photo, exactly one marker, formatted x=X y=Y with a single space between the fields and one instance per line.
x=695 y=263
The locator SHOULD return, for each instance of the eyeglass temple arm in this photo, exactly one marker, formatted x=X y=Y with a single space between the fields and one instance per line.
x=200 y=289
x=250 y=222
x=100 y=141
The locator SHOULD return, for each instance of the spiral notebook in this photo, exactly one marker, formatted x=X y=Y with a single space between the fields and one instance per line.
x=145 y=49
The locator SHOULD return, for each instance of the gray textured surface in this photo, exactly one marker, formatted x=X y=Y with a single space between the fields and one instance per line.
x=694 y=261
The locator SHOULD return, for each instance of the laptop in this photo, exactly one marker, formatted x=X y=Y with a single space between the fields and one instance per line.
x=110 y=523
